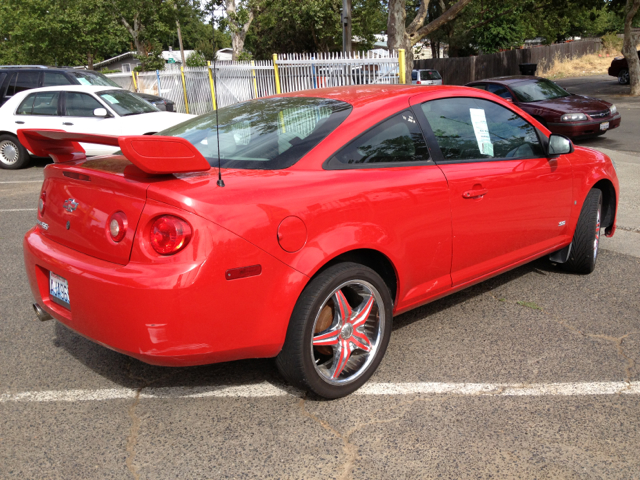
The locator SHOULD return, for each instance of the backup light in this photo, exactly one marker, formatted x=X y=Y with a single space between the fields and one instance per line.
x=573 y=117
x=118 y=226
x=169 y=234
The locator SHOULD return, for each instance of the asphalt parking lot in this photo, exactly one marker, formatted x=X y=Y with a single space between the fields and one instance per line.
x=533 y=374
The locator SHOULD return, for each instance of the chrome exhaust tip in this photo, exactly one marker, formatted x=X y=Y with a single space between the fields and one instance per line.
x=41 y=314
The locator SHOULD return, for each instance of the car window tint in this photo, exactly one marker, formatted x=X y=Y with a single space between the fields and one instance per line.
x=471 y=128
x=26 y=81
x=499 y=90
x=429 y=75
x=53 y=79
x=11 y=84
x=80 y=105
x=414 y=75
x=45 y=103
x=397 y=139
x=27 y=105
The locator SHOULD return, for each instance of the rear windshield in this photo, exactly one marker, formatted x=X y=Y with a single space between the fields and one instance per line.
x=265 y=134
x=538 y=90
x=429 y=75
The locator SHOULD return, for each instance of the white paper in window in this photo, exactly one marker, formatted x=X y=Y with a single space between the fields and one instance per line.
x=84 y=81
x=481 y=130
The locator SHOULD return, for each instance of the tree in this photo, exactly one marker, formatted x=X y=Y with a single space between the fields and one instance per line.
x=402 y=36
x=629 y=46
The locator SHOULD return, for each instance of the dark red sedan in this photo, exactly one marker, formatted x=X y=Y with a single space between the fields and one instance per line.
x=558 y=110
x=338 y=209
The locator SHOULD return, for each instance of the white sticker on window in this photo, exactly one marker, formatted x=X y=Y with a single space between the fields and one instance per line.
x=84 y=81
x=481 y=130
x=110 y=99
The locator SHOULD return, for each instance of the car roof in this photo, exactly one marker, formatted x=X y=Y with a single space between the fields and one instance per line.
x=44 y=68
x=73 y=88
x=507 y=80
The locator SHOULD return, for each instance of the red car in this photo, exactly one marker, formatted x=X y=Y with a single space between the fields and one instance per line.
x=620 y=68
x=336 y=209
x=558 y=110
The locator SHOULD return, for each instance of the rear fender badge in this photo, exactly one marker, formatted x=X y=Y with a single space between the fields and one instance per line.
x=43 y=225
x=70 y=205
x=561 y=224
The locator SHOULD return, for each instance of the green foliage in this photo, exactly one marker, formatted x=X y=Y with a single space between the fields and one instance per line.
x=196 y=59
x=612 y=43
x=151 y=61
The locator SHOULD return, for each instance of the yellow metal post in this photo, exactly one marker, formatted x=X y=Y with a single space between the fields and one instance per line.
x=213 y=88
x=253 y=75
x=275 y=70
x=402 y=64
x=135 y=83
x=184 y=89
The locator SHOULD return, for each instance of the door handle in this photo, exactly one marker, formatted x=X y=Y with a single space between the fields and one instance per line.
x=480 y=192
x=67 y=123
x=20 y=122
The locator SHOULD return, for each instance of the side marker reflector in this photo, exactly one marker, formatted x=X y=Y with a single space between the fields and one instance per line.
x=243 y=272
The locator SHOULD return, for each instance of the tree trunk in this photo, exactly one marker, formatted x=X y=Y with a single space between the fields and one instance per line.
x=629 y=46
x=184 y=63
x=397 y=33
x=238 y=32
x=90 y=60
x=135 y=33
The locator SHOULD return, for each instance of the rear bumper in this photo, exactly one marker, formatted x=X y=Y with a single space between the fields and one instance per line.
x=172 y=314
x=582 y=129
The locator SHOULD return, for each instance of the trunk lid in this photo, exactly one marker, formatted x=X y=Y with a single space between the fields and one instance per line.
x=81 y=198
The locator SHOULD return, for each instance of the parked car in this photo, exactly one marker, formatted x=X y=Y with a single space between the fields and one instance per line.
x=338 y=209
x=426 y=77
x=619 y=68
x=15 y=79
x=100 y=110
x=160 y=103
x=558 y=110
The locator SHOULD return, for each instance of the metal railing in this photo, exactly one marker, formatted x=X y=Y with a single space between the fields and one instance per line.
x=192 y=89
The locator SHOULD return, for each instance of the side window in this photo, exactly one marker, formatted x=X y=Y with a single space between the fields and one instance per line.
x=27 y=105
x=414 y=75
x=471 y=128
x=80 y=105
x=26 y=81
x=53 y=79
x=11 y=84
x=46 y=103
x=397 y=139
x=499 y=90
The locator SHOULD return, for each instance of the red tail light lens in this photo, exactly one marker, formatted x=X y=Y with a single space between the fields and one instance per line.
x=41 y=203
x=117 y=226
x=169 y=235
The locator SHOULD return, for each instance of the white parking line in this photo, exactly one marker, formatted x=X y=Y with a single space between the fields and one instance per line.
x=19 y=210
x=372 y=389
x=22 y=181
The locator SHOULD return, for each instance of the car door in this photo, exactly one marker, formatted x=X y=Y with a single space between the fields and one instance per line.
x=79 y=117
x=509 y=202
x=39 y=110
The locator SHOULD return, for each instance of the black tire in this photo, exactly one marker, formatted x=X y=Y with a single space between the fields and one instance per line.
x=310 y=367
x=623 y=77
x=586 y=239
x=12 y=154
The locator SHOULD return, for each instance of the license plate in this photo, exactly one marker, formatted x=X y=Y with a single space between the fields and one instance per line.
x=59 y=290
x=604 y=126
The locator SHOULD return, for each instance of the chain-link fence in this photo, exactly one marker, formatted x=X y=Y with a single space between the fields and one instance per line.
x=192 y=89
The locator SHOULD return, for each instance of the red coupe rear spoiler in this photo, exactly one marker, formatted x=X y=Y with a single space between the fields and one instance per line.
x=150 y=153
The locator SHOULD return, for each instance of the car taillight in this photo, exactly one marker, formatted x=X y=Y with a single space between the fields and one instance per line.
x=418 y=82
x=42 y=202
x=169 y=235
x=117 y=226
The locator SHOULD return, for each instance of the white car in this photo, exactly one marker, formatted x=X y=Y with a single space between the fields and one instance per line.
x=81 y=109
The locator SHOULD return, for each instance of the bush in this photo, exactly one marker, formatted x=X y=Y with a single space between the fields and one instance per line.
x=104 y=71
x=196 y=59
x=611 y=43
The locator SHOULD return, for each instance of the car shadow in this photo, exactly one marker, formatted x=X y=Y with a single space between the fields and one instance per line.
x=131 y=373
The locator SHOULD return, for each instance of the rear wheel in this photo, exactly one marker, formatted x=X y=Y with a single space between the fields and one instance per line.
x=623 y=77
x=586 y=239
x=12 y=154
x=339 y=331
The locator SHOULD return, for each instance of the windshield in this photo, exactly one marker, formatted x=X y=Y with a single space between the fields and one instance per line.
x=126 y=103
x=538 y=90
x=266 y=134
x=429 y=75
x=94 y=78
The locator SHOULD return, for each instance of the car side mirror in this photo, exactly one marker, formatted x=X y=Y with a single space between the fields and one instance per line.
x=559 y=145
x=100 y=112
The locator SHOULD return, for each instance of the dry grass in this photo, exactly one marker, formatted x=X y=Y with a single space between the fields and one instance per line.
x=593 y=64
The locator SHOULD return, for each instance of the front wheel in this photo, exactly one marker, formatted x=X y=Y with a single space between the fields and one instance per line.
x=12 y=154
x=586 y=239
x=623 y=77
x=338 y=332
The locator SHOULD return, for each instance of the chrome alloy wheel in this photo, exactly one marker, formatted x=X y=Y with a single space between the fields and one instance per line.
x=348 y=331
x=9 y=153
x=596 y=241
